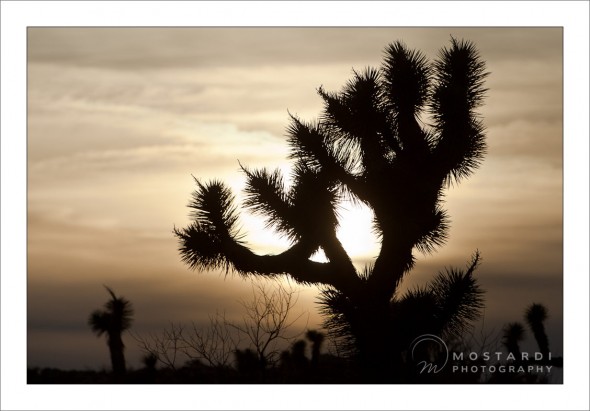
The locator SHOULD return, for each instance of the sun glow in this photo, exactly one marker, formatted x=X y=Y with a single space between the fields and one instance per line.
x=356 y=233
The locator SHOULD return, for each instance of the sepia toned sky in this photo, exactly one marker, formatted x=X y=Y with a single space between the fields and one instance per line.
x=120 y=120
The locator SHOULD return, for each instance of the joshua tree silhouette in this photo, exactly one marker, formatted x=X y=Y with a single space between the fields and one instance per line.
x=317 y=339
x=513 y=334
x=370 y=145
x=113 y=320
x=535 y=316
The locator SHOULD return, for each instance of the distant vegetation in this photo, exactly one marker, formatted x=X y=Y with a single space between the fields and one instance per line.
x=113 y=321
x=249 y=351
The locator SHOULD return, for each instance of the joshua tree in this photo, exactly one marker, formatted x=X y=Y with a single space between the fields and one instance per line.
x=513 y=335
x=393 y=139
x=112 y=321
x=535 y=315
x=317 y=339
x=298 y=352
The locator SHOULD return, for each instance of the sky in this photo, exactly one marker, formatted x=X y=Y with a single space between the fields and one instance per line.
x=101 y=133
x=120 y=120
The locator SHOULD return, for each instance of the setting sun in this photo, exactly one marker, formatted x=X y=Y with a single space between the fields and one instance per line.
x=356 y=233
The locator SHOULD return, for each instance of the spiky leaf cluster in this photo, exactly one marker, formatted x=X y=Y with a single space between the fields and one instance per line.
x=116 y=317
x=393 y=138
x=446 y=306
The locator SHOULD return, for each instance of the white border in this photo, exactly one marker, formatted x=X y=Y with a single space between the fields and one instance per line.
x=16 y=16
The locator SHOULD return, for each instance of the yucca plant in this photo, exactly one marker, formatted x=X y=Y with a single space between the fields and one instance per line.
x=112 y=321
x=512 y=335
x=393 y=139
x=535 y=316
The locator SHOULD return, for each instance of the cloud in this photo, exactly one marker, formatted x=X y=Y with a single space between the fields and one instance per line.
x=108 y=106
x=104 y=106
x=138 y=48
x=540 y=141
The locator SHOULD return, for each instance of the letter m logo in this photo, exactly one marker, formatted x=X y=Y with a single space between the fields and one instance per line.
x=428 y=367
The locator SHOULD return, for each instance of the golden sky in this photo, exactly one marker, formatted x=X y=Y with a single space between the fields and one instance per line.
x=100 y=138
x=120 y=119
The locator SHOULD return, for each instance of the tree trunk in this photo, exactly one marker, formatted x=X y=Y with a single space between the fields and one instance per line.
x=116 y=348
x=541 y=338
x=379 y=354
